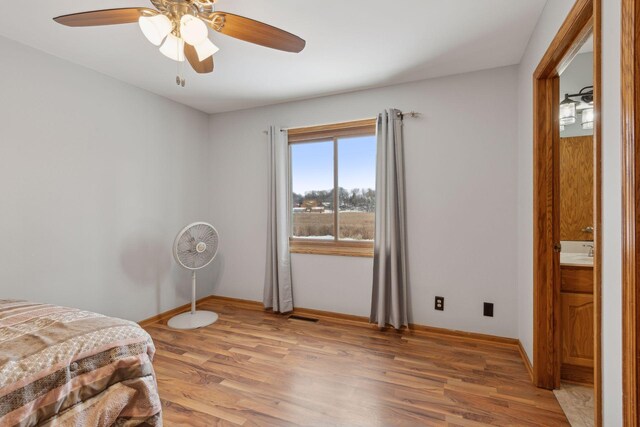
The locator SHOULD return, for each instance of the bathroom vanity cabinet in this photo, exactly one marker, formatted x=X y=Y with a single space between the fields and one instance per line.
x=577 y=311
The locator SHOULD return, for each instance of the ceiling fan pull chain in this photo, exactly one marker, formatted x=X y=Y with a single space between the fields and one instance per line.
x=181 y=66
x=180 y=81
x=178 y=73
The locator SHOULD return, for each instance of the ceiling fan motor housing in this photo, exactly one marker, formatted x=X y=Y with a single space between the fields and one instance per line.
x=182 y=7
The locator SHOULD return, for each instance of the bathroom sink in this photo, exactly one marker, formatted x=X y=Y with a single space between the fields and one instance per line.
x=575 y=259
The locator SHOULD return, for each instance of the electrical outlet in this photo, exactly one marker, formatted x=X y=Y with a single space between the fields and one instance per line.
x=440 y=303
x=488 y=309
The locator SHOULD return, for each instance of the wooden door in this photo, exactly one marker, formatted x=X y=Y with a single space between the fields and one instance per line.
x=576 y=188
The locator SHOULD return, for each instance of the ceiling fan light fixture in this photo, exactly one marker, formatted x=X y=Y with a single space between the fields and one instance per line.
x=193 y=30
x=155 y=28
x=173 y=48
x=205 y=49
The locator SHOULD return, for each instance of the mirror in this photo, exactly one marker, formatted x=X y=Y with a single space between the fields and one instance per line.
x=576 y=149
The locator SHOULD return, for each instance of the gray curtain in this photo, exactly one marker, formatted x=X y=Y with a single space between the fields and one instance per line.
x=278 y=294
x=389 y=299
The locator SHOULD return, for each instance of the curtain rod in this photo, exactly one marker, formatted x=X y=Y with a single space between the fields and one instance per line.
x=401 y=114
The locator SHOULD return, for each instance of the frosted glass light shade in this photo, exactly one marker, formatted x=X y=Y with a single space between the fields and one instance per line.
x=193 y=30
x=205 y=49
x=587 y=118
x=583 y=106
x=567 y=113
x=155 y=28
x=173 y=48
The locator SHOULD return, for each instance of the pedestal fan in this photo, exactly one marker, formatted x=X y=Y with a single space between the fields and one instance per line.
x=194 y=248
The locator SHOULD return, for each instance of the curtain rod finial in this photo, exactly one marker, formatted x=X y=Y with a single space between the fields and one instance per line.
x=412 y=114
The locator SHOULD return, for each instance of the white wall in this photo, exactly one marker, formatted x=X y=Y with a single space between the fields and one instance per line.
x=96 y=176
x=461 y=192
x=552 y=17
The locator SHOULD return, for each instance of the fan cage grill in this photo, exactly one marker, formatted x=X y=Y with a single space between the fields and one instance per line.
x=185 y=246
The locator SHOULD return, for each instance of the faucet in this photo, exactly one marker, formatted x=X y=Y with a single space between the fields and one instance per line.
x=590 y=250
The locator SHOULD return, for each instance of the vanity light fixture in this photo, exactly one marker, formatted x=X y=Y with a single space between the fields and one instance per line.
x=567 y=111
x=583 y=106
x=587 y=118
x=569 y=108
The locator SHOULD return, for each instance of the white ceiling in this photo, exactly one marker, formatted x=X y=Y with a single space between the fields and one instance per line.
x=351 y=45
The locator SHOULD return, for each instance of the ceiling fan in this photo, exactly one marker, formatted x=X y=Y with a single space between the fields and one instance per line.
x=179 y=27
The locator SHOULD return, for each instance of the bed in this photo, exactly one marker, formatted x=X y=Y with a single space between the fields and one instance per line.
x=67 y=367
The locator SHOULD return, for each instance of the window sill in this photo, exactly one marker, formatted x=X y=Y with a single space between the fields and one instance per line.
x=318 y=247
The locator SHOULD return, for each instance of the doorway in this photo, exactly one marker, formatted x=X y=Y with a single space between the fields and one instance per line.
x=576 y=211
x=553 y=303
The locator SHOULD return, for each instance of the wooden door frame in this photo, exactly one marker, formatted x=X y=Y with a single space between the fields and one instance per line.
x=582 y=21
x=630 y=116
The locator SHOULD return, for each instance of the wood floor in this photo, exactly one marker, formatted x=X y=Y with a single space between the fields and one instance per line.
x=255 y=368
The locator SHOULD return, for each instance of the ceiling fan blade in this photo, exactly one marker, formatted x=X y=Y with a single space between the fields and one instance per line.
x=201 y=67
x=255 y=32
x=104 y=17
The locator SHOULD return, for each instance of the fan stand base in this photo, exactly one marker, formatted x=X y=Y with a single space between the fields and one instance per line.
x=195 y=320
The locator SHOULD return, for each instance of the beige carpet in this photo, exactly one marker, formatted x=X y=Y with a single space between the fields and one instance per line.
x=577 y=403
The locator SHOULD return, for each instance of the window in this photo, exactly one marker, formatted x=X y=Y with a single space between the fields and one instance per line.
x=333 y=173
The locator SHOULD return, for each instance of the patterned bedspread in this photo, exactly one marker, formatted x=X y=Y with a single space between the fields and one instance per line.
x=66 y=367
